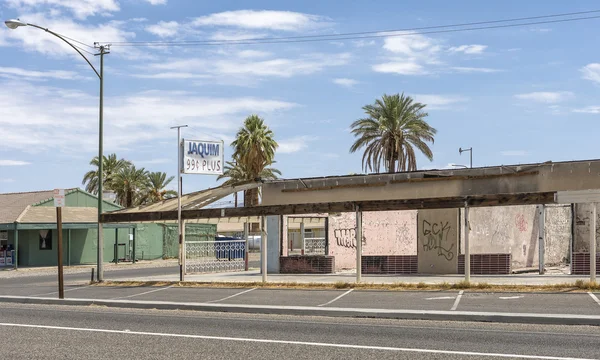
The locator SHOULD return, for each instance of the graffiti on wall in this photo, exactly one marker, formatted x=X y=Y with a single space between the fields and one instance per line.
x=346 y=238
x=521 y=222
x=436 y=235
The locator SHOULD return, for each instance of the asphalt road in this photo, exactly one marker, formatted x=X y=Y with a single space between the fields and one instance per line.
x=42 y=332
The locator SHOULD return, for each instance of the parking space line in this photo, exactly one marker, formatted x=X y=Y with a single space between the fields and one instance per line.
x=56 y=292
x=232 y=296
x=594 y=297
x=337 y=298
x=455 y=306
x=144 y=293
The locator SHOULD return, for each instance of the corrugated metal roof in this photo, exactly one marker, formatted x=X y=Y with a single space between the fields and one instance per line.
x=193 y=201
x=13 y=204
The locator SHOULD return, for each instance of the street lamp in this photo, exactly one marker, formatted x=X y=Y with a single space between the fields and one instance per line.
x=103 y=49
x=470 y=150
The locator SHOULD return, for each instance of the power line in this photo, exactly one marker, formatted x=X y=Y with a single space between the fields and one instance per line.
x=77 y=41
x=367 y=34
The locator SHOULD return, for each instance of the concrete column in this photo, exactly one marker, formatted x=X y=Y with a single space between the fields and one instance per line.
x=542 y=238
x=358 y=244
x=69 y=247
x=467 y=246
x=133 y=252
x=302 y=237
x=16 y=264
x=593 y=243
x=263 y=249
x=273 y=244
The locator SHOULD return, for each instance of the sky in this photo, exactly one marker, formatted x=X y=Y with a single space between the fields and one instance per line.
x=515 y=95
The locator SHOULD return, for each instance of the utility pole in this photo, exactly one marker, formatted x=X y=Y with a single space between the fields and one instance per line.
x=179 y=186
x=470 y=150
x=103 y=50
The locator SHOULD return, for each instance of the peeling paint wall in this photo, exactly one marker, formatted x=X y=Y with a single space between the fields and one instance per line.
x=384 y=233
x=437 y=238
x=582 y=227
x=515 y=230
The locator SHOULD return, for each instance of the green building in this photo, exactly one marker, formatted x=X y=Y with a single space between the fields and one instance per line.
x=28 y=225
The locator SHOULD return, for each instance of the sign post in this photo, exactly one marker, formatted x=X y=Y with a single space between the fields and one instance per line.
x=59 y=202
x=196 y=157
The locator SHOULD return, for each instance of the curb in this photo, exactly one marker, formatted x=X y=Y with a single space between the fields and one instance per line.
x=500 y=317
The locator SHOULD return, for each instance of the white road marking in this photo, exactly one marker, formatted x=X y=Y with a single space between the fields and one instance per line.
x=337 y=298
x=455 y=306
x=510 y=297
x=144 y=293
x=594 y=297
x=286 y=342
x=56 y=292
x=232 y=296
x=441 y=298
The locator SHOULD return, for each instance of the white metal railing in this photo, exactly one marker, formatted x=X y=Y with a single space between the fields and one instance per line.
x=314 y=246
x=215 y=256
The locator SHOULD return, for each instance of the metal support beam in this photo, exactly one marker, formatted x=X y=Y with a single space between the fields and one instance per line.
x=69 y=247
x=467 y=245
x=16 y=264
x=593 y=243
x=246 y=237
x=116 y=245
x=542 y=238
x=133 y=251
x=263 y=248
x=302 y=236
x=358 y=244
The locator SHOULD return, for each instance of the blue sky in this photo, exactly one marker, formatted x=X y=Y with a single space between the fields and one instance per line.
x=516 y=95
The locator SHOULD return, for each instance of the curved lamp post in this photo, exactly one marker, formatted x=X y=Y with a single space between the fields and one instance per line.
x=13 y=24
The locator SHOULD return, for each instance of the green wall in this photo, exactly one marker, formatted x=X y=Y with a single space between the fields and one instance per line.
x=153 y=241
x=79 y=198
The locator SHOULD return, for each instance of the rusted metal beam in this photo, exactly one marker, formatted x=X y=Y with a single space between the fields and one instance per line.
x=337 y=207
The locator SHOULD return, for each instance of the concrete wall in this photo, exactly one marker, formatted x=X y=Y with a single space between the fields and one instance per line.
x=580 y=175
x=515 y=230
x=437 y=237
x=582 y=227
x=384 y=233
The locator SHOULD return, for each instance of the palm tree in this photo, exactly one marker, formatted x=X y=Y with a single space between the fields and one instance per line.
x=237 y=173
x=155 y=190
x=395 y=126
x=254 y=150
x=129 y=184
x=110 y=166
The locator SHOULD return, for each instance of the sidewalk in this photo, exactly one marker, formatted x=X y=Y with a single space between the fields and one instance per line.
x=255 y=276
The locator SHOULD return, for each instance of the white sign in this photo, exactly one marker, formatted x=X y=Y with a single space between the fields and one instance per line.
x=59 y=197
x=202 y=157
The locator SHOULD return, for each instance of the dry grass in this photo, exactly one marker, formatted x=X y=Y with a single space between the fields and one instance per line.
x=579 y=285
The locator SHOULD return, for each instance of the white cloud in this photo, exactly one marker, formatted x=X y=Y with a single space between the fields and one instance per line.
x=513 y=153
x=253 y=54
x=345 y=82
x=422 y=55
x=591 y=72
x=468 y=49
x=70 y=117
x=36 y=40
x=153 y=161
x=546 y=96
x=13 y=163
x=80 y=8
x=435 y=101
x=588 y=110
x=463 y=69
x=262 y=19
x=7 y=180
x=402 y=68
x=236 y=67
x=236 y=35
x=292 y=145
x=157 y=2
x=23 y=74
x=164 y=29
